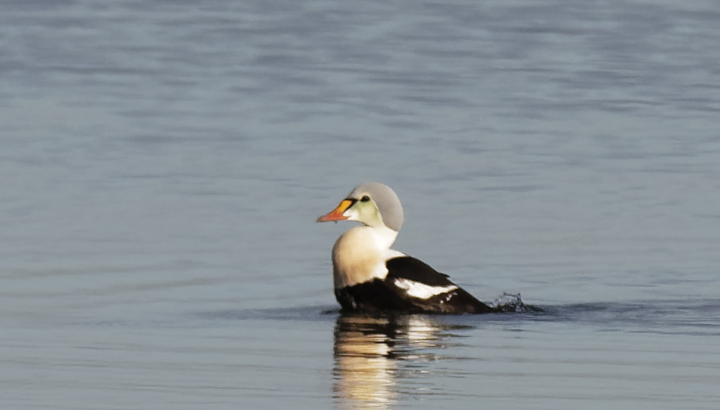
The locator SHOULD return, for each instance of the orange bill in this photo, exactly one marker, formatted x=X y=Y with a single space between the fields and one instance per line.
x=337 y=213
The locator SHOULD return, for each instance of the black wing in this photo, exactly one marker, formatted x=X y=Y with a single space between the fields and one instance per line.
x=454 y=300
x=393 y=293
x=407 y=267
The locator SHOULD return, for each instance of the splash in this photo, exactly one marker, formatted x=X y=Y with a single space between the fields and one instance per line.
x=509 y=303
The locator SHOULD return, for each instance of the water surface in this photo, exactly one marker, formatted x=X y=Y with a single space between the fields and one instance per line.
x=163 y=164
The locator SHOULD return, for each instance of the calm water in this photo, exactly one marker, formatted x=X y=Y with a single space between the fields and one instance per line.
x=162 y=165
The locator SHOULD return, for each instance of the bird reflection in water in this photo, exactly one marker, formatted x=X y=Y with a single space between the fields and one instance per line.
x=374 y=354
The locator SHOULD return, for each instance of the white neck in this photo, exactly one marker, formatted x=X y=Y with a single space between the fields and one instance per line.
x=359 y=255
x=384 y=236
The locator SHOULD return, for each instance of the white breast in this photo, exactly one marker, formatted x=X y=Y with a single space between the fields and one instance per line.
x=359 y=255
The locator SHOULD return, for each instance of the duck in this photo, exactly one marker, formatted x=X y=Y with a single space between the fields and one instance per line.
x=369 y=276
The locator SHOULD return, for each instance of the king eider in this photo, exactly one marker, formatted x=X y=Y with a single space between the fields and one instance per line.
x=371 y=277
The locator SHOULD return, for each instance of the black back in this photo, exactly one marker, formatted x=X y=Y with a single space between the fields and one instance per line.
x=385 y=296
x=407 y=267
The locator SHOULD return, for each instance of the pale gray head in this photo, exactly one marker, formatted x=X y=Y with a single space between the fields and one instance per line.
x=373 y=204
x=386 y=201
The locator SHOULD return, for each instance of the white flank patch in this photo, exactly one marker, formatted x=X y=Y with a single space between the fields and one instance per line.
x=421 y=290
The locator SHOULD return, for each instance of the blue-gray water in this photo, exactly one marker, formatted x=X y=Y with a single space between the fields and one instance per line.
x=162 y=165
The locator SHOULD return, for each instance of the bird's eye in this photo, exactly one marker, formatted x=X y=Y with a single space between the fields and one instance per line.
x=365 y=198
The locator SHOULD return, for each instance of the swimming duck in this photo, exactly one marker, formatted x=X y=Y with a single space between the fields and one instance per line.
x=369 y=276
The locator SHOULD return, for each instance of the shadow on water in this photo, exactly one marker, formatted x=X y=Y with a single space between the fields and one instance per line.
x=376 y=356
x=372 y=354
x=676 y=317
x=380 y=359
x=507 y=303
